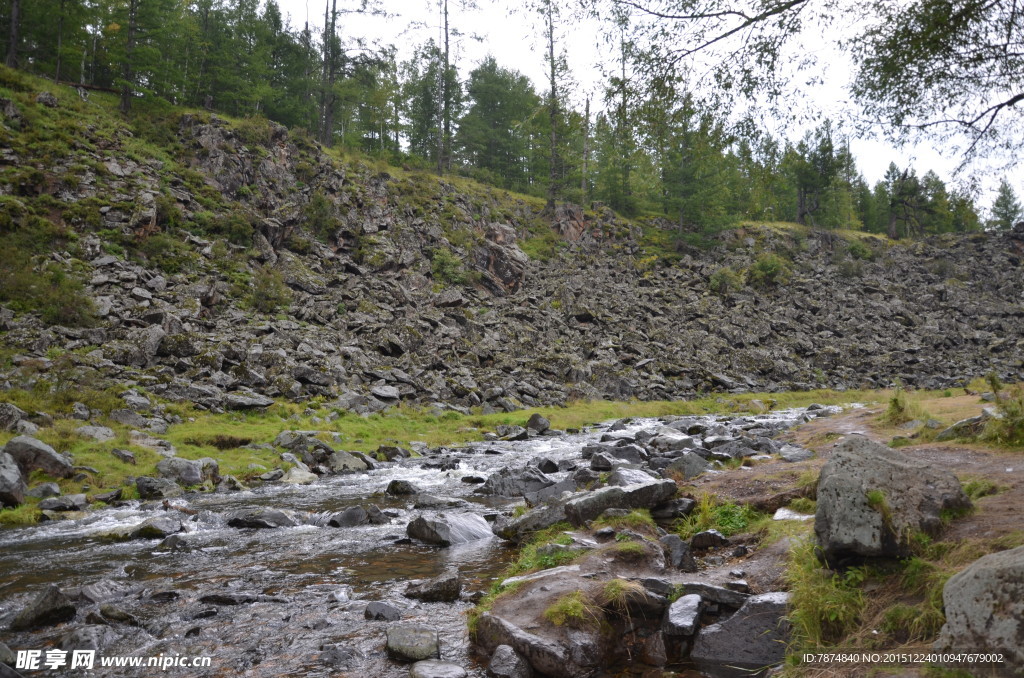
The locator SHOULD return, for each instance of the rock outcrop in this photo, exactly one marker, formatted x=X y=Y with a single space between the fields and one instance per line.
x=984 y=606
x=872 y=501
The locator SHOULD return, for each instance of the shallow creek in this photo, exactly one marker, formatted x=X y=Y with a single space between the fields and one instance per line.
x=311 y=582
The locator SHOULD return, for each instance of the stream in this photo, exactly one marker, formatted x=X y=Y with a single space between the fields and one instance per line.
x=301 y=591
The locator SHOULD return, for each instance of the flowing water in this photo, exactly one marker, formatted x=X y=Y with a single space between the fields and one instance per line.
x=309 y=584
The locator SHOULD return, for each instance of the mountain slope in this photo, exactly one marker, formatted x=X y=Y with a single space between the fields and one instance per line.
x=222 y=256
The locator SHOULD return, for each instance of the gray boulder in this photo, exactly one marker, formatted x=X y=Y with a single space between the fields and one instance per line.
x=183 y=471
x=756 y=636
x=984 y=607
x=246 y=401
x=157 y=488
x=682 y=618
x=49 y=608
x=12 y=484
x=69 y=502
x=159 y=527
x=10 y=415
x=621 y=477
x=401 y=487
x=537 y=423
x=519 y=528
x=507 y=663
x=794 y=453
x=578 y=657
x=430 y=668
x=583 y=509
x=677 y=553
x=350 y=517
x=100 y=434
x=343 y=462
x=296 y=476
x=266 y=518
x=449 y=529
x=871 y=501
x=31 y=455
x=410 y=642
x=44 y=490
x=378 y=611
x=507 y=482
x=444 y=588
x=688 y=465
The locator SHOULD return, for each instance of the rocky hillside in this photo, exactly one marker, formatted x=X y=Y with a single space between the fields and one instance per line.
x=200 y=257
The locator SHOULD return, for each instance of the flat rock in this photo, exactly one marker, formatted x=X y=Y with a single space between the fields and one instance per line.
x=430 y=668
x=246 y=401
x=100 y=434
x=412 y=642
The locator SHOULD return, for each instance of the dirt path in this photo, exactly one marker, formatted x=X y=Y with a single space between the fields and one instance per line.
x=770 y=484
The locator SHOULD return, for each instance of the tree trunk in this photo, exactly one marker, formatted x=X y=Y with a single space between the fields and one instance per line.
x=126 y=71
x=586 y=151
x=552 y=113
x=60 y=41
x=12 y=35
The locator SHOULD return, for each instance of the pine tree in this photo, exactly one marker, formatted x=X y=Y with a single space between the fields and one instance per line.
x=1006 y=209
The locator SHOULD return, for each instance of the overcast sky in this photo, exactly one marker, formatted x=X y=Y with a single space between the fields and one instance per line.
x=514 y=40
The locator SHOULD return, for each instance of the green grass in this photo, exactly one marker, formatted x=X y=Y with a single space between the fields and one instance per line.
x=710 y=514
x=575 y=610
x=824 y=606
x=638 y=519
x=616 y=595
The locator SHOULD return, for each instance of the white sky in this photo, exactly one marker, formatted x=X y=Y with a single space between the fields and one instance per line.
x=513 y=38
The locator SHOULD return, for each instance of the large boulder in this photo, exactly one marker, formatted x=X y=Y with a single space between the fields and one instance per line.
x=12 y=484
x=756 y=636
x=872 y=501
x=508 y=482
x=183 y=471
x=518 y=528
x=48 y=608
x=343 y=462
x=409 y=642
x=444 y=588
x=577 y=656
x=31 y=455
x=449 y=529
x=985 y=608
x=266 y=518
x=583 y=509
